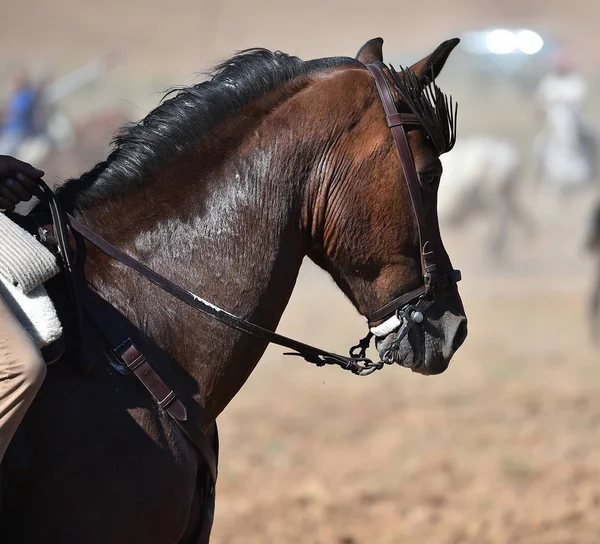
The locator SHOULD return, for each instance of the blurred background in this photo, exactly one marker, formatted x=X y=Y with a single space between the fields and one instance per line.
x=502 y=448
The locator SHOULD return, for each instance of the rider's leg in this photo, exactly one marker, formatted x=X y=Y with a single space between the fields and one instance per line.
x=22 y=371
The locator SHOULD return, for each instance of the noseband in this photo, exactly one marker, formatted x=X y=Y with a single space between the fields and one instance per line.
x=408 y=309
x=401 y=313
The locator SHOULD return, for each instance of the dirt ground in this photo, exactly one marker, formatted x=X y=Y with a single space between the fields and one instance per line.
x=501 y=448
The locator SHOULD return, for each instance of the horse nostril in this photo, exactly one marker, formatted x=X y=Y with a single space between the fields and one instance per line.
x=460 y=336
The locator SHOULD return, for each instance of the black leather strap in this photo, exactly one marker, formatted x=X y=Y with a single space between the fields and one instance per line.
x=62 y=241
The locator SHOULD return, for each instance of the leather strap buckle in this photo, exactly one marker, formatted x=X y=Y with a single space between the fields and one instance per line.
x=168 y=400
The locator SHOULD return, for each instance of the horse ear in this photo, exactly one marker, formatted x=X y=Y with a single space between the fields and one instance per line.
x=428 y=68
x=372 y=51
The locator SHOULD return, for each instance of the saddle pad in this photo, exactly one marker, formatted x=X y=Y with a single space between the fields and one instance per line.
x=34 y=310
x=24 y=262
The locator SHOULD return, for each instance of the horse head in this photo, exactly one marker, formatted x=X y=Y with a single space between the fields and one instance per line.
x=228 y=184
x=363 y=226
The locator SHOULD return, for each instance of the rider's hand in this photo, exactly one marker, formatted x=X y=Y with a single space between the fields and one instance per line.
x=16 y=182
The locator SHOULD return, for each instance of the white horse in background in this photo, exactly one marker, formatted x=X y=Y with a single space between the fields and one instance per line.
x=481 y=177
x=565 y=150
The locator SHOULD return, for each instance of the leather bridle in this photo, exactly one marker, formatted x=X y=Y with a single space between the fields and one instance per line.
x=407 y=309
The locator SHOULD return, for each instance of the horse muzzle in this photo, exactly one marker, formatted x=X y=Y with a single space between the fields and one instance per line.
x=422 y=340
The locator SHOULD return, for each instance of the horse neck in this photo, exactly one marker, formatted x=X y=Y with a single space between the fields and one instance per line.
x=233 y=236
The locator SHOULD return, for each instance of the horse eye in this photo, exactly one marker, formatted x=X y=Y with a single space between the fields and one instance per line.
x=429 y=179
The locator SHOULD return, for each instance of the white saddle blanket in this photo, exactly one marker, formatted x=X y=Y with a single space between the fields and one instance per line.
x=34 y=310
x=25 y=265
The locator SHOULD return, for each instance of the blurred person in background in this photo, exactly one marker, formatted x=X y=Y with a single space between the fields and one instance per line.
x=18 y=124
x=566 y=147
x=34 y=125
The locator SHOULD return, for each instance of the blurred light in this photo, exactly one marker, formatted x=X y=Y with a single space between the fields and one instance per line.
x=501 y=41
x=474 y=42
x=529 y=42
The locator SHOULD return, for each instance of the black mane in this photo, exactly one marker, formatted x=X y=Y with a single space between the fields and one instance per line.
x=185 y=116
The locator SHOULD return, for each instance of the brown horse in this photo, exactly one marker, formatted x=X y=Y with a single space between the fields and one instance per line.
x=224 y=188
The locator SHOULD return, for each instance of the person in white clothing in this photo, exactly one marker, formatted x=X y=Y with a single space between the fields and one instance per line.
x=568 y=140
